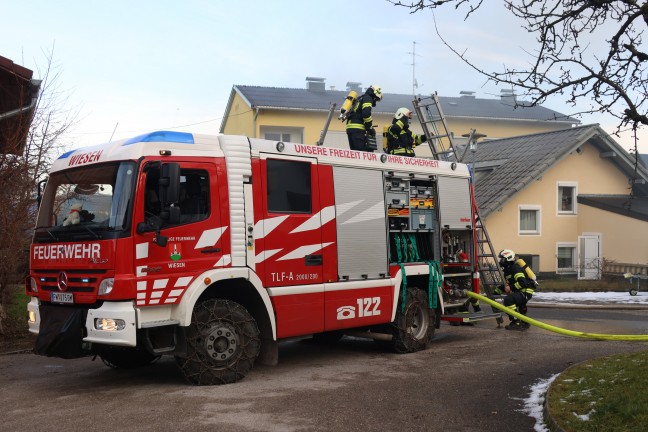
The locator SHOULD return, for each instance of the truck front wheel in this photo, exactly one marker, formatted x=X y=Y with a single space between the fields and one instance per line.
x=413 y=328
x=222 y=343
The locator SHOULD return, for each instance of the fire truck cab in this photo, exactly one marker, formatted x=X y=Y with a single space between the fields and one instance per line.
x=214 y=248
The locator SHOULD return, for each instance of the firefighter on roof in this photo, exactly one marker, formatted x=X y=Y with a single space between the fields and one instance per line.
x=400 y=139
x=518 y=288
x=359 y=125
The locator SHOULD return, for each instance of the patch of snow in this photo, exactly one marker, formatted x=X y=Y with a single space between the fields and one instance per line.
x=534 y=404
x=581 y=297
x=584 y=417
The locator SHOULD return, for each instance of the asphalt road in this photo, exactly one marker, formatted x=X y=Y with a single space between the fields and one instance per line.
x=472 y=379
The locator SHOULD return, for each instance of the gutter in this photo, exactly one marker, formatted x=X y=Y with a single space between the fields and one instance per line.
x=35 y=88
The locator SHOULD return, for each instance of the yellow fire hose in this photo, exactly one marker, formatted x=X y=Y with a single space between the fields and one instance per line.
x=554 y=329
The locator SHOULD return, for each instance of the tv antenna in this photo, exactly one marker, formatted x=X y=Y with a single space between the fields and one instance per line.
x=414 y=82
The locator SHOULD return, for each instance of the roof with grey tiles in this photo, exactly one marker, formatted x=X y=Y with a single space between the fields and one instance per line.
x=463 y=106
x=504 y=167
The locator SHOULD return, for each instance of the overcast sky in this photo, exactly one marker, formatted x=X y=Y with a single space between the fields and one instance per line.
x=138 y=66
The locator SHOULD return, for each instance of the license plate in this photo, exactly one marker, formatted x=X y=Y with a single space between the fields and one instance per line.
x=58 y=297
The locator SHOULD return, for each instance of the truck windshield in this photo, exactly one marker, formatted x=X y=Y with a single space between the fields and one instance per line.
x=90 y=202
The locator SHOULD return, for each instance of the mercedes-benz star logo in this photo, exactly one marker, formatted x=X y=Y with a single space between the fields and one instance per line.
x=62 y=281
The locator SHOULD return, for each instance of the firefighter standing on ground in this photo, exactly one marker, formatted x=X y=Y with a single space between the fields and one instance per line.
x=359 y=125
x=518 y=289
x=400 y=139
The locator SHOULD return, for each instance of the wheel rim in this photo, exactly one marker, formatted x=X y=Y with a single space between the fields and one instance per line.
x=222 y=342
x=420 y=322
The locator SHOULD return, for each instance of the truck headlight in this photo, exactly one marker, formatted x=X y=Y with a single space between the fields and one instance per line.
x=110 y=324
x=32 y=316
x=32 y=285
x=106 y=286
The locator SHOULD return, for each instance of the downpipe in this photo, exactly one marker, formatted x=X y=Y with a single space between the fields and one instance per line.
x=565 y=332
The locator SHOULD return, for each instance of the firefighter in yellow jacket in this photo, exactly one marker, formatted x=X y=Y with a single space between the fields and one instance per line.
x=400 y=139
x=359 y=125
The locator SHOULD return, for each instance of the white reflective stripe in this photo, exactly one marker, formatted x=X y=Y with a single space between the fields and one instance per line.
x=160 y=283
x=183 y=281
x=265 y=255
x=141 y=285
x=296 y=289
x=343 y=208
x=141 y=250
x=175 y=293
x=317 y=220
x=139 y=272
x=377 y=211
x=224 y=261
x=156 y=294
x=210 y=237
x=266 y=226
x=302 y=251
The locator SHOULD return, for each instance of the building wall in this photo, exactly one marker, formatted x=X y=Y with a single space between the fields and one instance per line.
x=623 y=239
x=592 y=175
x=240 y=119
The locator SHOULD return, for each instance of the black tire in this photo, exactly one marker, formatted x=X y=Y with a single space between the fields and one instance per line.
x=126 y=358
x=634 y=291
x=413 y=329
x=222 y=343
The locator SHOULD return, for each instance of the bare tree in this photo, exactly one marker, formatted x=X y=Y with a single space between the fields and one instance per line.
x=20 y=174
x=565 y=61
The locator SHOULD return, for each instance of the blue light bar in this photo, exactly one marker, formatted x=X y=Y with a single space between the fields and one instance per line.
x=163 y=136
x=67 y=154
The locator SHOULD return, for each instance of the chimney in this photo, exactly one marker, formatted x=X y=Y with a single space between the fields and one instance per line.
x=355 y=86
x=467 y=94
x=315 y=84
x=507 y=96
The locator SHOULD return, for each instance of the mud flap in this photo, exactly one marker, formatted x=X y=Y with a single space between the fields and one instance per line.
x=61 y=332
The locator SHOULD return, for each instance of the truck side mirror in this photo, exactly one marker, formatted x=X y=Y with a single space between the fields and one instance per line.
x=169 y=184
x=170 y=214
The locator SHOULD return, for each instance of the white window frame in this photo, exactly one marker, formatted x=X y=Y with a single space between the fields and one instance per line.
x=296 y=133
x=575 y=194
x=538 y=229
x=574 y=267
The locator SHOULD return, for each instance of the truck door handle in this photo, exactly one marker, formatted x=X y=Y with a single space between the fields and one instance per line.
x=313 y=260
x=213 y=250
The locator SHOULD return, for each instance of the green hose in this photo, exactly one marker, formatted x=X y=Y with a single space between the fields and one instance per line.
x=597 y=336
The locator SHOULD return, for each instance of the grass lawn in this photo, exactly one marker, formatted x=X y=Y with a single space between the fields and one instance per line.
x=604 y=394
x=17 y=335
x=616 y=284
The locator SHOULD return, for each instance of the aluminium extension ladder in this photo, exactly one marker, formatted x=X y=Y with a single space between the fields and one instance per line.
x=435 y=128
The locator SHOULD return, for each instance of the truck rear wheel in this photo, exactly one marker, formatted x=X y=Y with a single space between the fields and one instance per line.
x=126 y=358
x=413 y=328
x=222 y=343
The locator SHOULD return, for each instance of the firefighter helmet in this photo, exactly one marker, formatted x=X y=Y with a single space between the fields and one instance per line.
x=506 y=256
x=403 y=112
x=377 y=91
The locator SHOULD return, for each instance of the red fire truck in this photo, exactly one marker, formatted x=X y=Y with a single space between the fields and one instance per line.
x=215 y=248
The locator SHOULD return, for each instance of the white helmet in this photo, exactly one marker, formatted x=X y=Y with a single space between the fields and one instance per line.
x=377 y=91
x=403 y=112
x=506 y=256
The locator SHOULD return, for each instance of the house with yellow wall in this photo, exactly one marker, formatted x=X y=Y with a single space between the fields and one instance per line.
x=300 y=114
x=552 y=191
x=572 y=201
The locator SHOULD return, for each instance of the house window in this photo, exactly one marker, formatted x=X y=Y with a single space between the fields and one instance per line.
x=566 y=258
x=285 y=134
x=289 y=186
x=529 y=221
x=566 y=198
